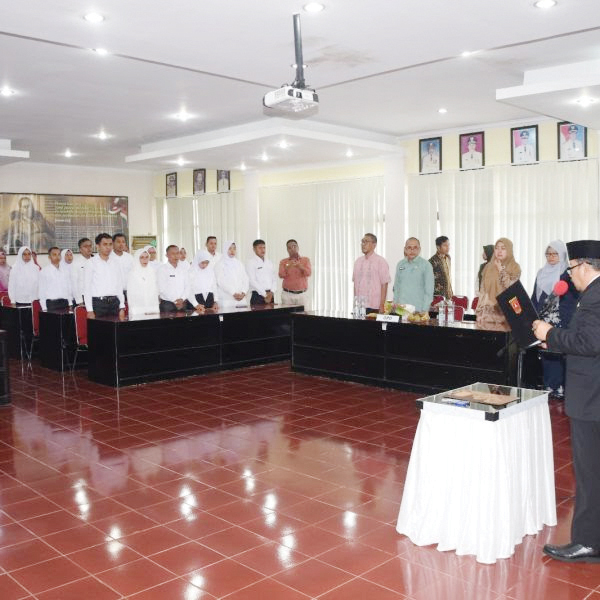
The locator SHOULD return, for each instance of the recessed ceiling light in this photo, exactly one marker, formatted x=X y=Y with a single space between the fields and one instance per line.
x=68 y=153
x=283 y=144
x=585 y=101
x=94 y=17
x=544 y=3
x=349 y=153
x=181 y=161
x=6 y=92
x=183 y=115
x=313 y=7
x=264 y=156
x=102 y=135
x=101 y=51
x=442 y=111
x=243 y=167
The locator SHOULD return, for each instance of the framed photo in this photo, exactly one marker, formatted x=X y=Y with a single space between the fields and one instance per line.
x=199 y=181
x=524 y=149
x=430 y=155
x=472 y=150
x=223 y=181
x=572 y=141
x=171 y=181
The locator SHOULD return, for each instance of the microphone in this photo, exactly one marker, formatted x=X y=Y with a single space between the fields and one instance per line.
x=560 y=288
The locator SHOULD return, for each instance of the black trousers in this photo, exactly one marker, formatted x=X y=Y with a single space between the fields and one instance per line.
x=165 y=306
x=256 y=299
x=585 y=442
x=208 y=303
x=106 y=306
x=57 y=304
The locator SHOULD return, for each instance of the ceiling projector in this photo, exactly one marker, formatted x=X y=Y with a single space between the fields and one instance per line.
x=291 y=99
x=294 y=100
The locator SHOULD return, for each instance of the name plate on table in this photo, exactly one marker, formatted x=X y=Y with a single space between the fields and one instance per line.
x=388 y=318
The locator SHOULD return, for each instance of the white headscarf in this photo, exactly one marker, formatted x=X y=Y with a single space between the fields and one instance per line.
x=202 y=281
x=549 y=274
x=142 y=288
x=64 y=265
x=229 y=261
x=23 y=281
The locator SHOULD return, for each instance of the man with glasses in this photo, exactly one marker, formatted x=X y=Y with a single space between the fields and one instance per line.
x=371 y=275
x=414 y=280
x=581 y=344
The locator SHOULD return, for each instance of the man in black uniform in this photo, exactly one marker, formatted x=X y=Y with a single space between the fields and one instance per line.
x=581 y=343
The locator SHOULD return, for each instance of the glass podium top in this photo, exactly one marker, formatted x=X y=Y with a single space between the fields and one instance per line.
x=484 y=400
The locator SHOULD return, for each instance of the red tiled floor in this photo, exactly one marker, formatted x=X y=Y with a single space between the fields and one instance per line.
x=78 y=590
x=48 y=574
x=297 y=479
x=11 y=590
x=134 y=576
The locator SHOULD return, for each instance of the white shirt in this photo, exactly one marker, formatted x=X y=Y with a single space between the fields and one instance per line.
x=23 y=283
x=54 y=284
x=216 y=257
x=125 y=262
x=472 y=159
x=231 y=279
x=102 y=278
x=261 y=274
x=172 y=282
x=78 y=277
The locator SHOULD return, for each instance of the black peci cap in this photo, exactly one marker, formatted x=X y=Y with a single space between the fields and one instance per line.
x=583 y=249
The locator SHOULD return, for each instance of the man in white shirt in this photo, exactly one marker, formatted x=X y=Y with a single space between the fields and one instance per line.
x=211 y=246
x=525 y=151
x=261 y=273
x=103 y=290
x=172 y=283
x=54 y=284
x=572 y=148
x=124 y=259
x=77 y=270
x=472 y=159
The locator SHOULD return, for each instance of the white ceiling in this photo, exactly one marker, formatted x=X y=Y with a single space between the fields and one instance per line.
x=381 y=68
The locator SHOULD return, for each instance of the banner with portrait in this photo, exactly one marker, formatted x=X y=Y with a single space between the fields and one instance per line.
x=44 y=220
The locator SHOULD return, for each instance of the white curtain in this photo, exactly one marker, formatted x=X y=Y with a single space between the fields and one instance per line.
x=188 y=221
x=531 y=205
x=328 y=220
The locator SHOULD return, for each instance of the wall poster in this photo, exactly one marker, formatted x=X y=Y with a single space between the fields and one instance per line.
x=43 y=220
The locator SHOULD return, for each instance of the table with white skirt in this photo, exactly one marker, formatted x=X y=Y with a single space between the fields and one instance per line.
x=480 y=478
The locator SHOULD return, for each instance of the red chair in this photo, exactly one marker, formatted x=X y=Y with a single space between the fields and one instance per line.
x=80 y=332
x=436 y=300
x=461 y=301
x=36 y=308
x=459 y=312
x=474 y=303
x=5 y=299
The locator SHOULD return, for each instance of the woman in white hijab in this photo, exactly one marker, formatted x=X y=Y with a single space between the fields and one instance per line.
x=142 y=288
x=549 y=274
x=232 y=279
x=24 y=277
x=66 y=264
x=202 y=286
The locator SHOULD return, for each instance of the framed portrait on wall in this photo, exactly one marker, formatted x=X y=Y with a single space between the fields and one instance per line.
x=572 y=141
x=472 y=150
x=524 y=148
x=171 y=184
x=199 y=181
x=430 y=155
x=223 y=181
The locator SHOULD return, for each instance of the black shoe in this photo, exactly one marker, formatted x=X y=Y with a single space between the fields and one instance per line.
x=573 y=553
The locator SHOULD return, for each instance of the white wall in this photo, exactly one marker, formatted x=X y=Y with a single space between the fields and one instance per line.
x=41 y=178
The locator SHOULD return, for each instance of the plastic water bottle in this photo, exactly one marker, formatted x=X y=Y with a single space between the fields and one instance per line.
x=450 y=312
x=363 y=307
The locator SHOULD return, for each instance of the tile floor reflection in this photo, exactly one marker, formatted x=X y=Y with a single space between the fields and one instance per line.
x=257 y=483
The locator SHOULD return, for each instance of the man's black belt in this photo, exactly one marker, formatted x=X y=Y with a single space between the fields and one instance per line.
x=294 y=291
x=105 y=298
